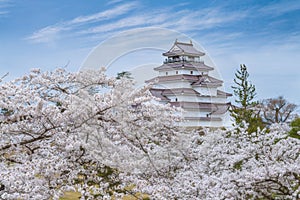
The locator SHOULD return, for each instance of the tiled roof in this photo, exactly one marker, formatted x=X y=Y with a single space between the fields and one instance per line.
x=195 y=80
x=191 y=78
x=213 y=108
x=180 y=91
x=224 y=94
x=221 y=109
x=183 y=49
x=184 y=65
x=158 y=93
x=206 y=80
x=164 y=93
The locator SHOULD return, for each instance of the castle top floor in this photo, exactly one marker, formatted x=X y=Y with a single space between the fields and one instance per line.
x=183 y=51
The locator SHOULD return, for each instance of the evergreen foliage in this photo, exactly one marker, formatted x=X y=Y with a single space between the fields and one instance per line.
x=124 y=74
x=295 y=125
x=245 y=92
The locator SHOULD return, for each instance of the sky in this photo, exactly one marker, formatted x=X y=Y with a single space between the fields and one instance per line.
x=264 y=35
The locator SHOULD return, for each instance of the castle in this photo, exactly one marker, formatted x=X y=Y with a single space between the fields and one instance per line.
x=184 y=81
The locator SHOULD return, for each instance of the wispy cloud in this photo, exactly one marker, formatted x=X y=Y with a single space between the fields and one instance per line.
x=4 y=4
x=47 y=34
x=204 y=19
x=128 y=22
x=52 y=32
x=134 y=15
x=281 y=7
x=3 y=12
x=110 y=2
x=182 y=20
x=107 y=14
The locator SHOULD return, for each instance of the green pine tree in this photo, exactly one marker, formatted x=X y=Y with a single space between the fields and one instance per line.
x=245 y=93
x=295 y=125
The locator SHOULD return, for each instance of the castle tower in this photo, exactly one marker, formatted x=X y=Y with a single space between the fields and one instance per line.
x=184 y=81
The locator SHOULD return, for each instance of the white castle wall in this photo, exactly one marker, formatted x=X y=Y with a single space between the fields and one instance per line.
x=206 y=94
x=196 y=123
x=181 y=71
x=195 y=98
x=171 y=84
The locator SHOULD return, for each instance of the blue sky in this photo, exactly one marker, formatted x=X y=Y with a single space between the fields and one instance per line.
x=264 y=35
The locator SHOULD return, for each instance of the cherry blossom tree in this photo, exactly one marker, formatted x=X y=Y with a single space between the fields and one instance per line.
x=225 y=165
x=100 y=136
x=58 y=134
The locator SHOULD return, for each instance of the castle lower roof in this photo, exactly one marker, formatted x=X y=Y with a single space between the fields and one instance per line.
x=176 y=91
x=205 y=80
x=164 y=93
x=224 y=94
x=184 y=65
x=213 y=108
x=158 y=93
x=195 y=80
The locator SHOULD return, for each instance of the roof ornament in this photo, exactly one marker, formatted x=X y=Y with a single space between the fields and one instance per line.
x=191 y=42
x=176 y=40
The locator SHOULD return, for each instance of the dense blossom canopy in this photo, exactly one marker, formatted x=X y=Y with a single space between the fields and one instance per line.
x=85 y=131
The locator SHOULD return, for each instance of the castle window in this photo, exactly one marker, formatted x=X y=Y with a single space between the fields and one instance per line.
x=176 y=99
x=191 y=72
x=176 y=72
x=166 y=73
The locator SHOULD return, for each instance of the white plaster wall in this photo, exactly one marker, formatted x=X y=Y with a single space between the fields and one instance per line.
x=195 y=113
x=181 y=71
x=184 y=71
x=196 y=98
x=193 y=123
x=170 y=85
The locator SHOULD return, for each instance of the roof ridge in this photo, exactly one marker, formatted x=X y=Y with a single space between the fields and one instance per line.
x=190 y=43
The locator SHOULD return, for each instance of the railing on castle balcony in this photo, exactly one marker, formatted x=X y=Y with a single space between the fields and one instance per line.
x=182 y=61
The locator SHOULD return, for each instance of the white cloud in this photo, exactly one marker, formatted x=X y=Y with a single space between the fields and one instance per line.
x=107 y=14
x=53 y=32
x=183 y=20
x=110 y=2
x=188 y=20
x=4 y=4
x=128 y=22
x=46 y=35
x=134 y=15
